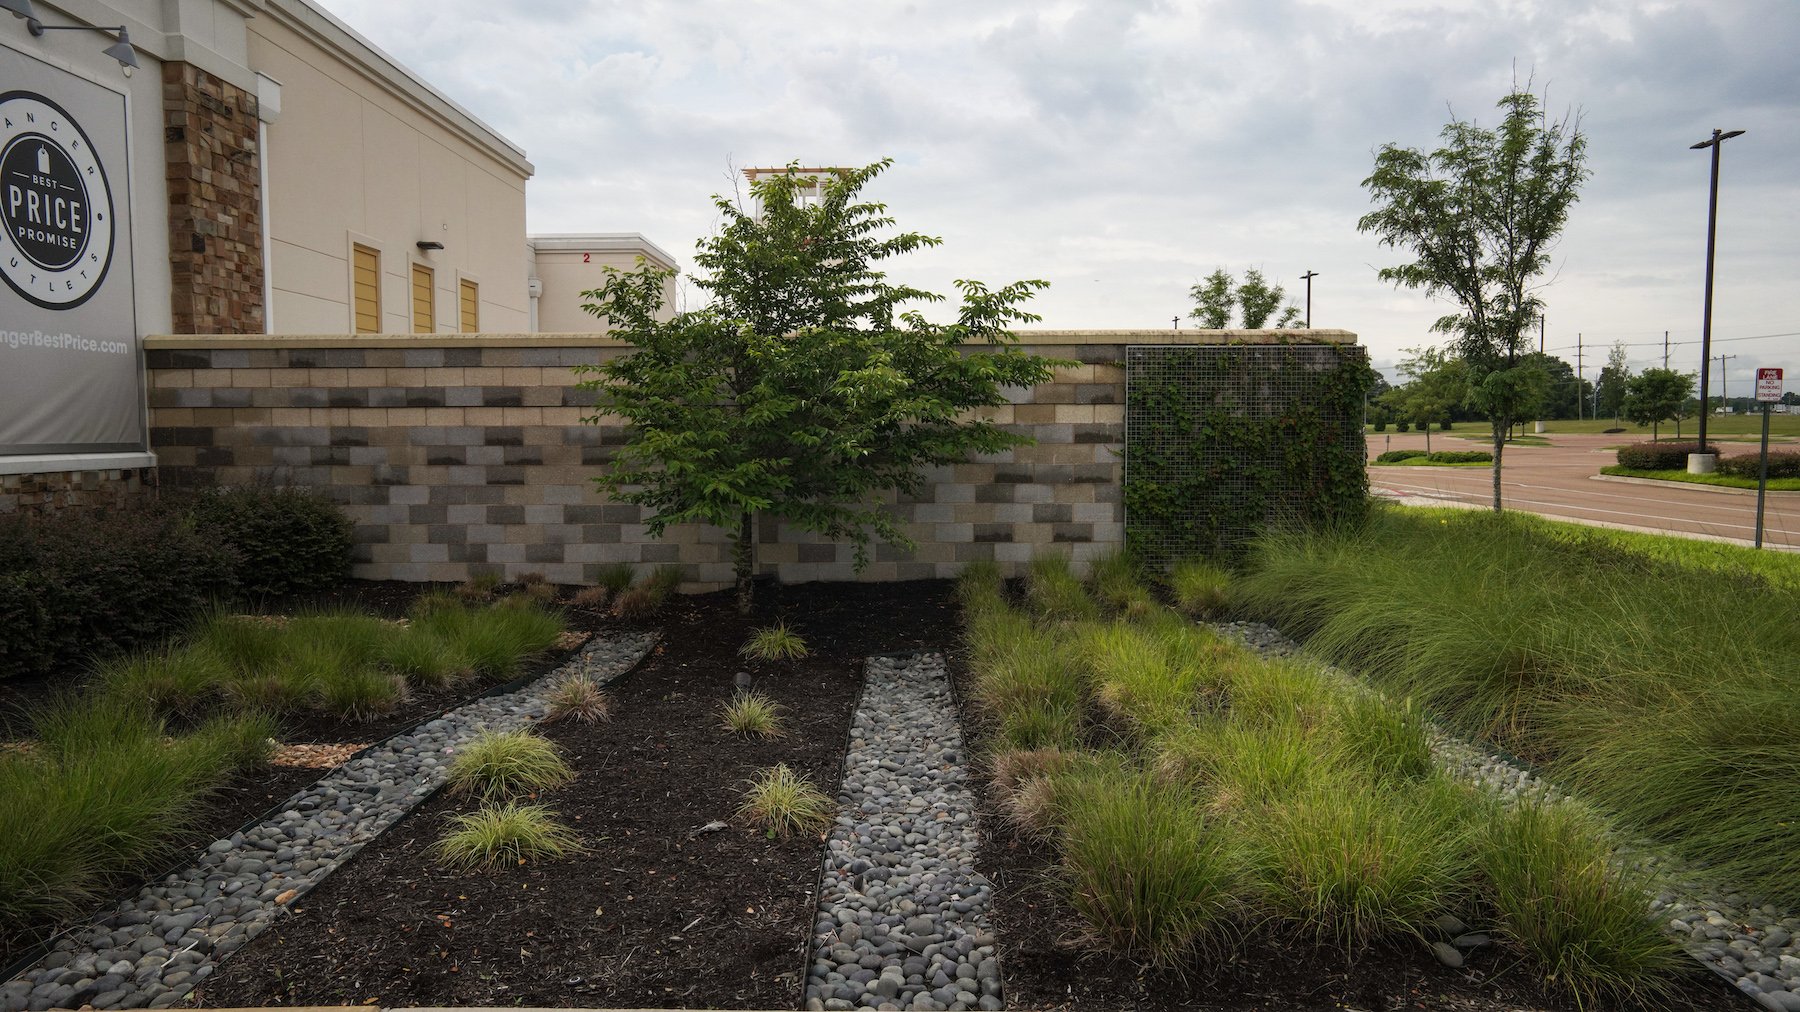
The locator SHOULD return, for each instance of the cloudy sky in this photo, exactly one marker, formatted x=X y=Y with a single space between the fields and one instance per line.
x=1122 y=149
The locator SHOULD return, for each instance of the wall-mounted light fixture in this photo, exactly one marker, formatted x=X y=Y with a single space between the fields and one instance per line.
x=120 y=50
x=429 y=244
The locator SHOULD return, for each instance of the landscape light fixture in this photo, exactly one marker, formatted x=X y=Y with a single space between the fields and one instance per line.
x=120 y=50
x=429 y=244
x=1715 y=142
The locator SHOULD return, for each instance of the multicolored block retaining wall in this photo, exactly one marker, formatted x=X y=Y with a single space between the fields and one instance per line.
x=463 y=454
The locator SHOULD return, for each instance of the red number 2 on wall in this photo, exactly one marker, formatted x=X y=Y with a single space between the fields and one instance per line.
x=587 y=257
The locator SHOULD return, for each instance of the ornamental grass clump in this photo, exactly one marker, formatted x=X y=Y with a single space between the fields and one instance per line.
x=752 y=715
x=497 y=836
x=782 y=803
x=580 y=699
x=1199 y=588
x=980 y=590
x=1115 y=583
x=774 y=643
x=1643 y=674
x=1584 y=918
x=169 y=679
x=100 y=798
x=1349 y=865
x=1150 y=877
x=1053 y=591
x=508 y=764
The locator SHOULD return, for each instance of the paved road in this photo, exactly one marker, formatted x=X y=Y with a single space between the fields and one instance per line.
x=1561 y=481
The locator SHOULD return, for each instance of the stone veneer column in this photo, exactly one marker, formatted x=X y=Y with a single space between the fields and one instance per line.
x=215 y=203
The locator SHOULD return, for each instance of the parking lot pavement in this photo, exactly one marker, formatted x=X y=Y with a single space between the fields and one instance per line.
x=1563 y=481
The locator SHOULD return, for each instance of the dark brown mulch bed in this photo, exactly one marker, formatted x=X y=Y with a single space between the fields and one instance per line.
x=659 y=913
x=255 y=792
x=1047 y=966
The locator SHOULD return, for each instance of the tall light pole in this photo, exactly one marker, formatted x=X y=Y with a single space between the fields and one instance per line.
x=1307 y=277
x=1715 y=142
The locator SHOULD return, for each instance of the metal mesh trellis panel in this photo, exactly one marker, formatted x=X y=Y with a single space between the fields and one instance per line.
x=1225 y=441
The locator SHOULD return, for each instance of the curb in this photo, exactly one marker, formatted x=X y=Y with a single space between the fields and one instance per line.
x=1661 y=483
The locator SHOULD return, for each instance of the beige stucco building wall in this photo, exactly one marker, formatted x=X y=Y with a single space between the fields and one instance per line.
x=564 y=266
x=361 y=151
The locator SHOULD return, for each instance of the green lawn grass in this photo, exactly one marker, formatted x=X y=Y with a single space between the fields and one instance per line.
x=1734 y=428
x=1424 y=462
x=1721 y=480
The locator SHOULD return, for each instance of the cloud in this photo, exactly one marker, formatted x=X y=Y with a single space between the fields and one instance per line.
x=1121 y=150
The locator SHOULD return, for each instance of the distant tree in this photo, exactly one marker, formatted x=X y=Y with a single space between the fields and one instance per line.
x=802 y=390
x=1479 y=217
x=1255 y=299
x=1790 y=398
x=1613 y=379
x=1437 y=384
x=1655 y=396
x=1562 y=391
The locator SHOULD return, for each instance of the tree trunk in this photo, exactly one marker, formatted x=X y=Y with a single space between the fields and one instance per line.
x=1500 y=428
x=1427 y=428
x=743 y=560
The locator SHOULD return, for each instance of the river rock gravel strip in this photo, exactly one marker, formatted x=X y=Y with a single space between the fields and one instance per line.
x=1756 y=945
x=903 y=914
x=151 y=950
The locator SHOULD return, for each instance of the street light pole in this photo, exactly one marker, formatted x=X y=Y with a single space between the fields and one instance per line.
x=1307 y=277
x=1715 y=142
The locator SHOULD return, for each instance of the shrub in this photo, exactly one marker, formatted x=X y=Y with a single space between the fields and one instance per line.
x=1199 y=587
x=1560 y=896
x=95 y=582
x=579 y=698
x=508 y=764
x=1401 y=426
x=1396 y=456
x=775 y=643
x=783 y=803
x=1380 y=425
x=287 y=540
x=1782 y=464
x=1444 y=426
x=1657 y=456
x=1460 y=457
x=502 y=835
x=1148 y=876
x=752 y=715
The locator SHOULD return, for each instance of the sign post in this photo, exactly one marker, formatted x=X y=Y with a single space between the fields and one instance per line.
x=1768 y=391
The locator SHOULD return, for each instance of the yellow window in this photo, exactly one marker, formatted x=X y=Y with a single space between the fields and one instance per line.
x=468 y=296
x=424 y=321
x=366 y=289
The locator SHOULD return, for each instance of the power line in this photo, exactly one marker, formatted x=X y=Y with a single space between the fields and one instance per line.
x=1677 y=344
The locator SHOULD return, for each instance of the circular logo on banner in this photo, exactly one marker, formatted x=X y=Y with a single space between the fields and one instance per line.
x=55 y=205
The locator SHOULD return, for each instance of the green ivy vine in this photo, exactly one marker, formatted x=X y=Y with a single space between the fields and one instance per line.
x=1226 y=443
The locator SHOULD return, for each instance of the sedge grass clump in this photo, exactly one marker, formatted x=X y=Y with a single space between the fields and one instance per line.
x=591 y=598
x=500 y=835
x=1349 y=865
x=1390 y=742
x=1199 y=587
x=361 y=694
x=491 y=641
x=980 y=590
x=478 y=589
x=1582 y=917
x=508 y=764
x=752 y=715
x=1116 y=585
x=1053 y=592
x=774 y=643
x=1150 y=878
x=170 y=680
x=782 y=803
x=580 y=699
x=425 y=660
x=615 y=577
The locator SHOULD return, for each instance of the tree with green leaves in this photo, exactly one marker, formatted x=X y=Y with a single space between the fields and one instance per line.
x=803 y=389
x=1479 y=217
x=1614 y=378
x=1254 y=299
x=1437 y=384
x=1655 y=396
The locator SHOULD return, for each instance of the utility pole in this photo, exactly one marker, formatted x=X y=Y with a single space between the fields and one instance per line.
x=1715 y=142
x=1307 y=277
x=1580 y=394
x=1724 y=391
x=1176 y=320
x=1665 y=349
x=1540 y=334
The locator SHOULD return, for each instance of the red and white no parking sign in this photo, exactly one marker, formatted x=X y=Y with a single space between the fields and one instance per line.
x=1768 y=385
